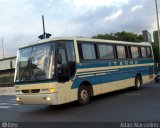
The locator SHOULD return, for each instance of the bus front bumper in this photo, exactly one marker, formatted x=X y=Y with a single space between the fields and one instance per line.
x=49 y=99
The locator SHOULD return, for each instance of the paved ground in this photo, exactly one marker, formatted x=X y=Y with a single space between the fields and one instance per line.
x=126 y=105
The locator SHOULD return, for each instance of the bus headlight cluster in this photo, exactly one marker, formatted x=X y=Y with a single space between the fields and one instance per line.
x=18 y=91
x=48 y=98
x=48 y=90
x=18 y=99
x=45 y=90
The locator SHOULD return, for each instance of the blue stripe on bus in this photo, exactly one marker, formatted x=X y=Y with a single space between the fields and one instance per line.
x=116 y=70
x=112 y=63
x=122 y=74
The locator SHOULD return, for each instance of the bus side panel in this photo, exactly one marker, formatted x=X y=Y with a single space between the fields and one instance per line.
x=105 y=83
x=112 y=86
x=148 y=75
x=106 y=76
x=66 y=93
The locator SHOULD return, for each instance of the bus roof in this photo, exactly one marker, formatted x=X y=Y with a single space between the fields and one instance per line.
x=87 y=40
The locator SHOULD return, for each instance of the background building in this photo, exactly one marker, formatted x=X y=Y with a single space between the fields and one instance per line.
x=147 y=36
x=156 y=47
x=7 y=69
x=155 y=36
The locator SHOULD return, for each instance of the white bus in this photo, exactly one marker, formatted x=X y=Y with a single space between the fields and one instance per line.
x=61 y=70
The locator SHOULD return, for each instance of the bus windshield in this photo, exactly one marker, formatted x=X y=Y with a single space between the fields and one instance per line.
x=35 y=63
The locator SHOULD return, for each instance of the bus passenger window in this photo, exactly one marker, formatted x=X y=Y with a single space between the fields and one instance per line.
x=149 y=54
x=121 y=52
x=134 y=52
x=89 y=52
x=143 y=52
x=106 y=51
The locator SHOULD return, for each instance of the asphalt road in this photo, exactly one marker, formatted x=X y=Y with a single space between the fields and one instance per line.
x=123 y=106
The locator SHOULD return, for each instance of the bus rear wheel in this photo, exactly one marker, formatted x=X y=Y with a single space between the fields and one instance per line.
x=84 y=95
x=138 y=82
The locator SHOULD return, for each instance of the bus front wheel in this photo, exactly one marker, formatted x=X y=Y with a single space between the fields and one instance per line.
x=84 y=95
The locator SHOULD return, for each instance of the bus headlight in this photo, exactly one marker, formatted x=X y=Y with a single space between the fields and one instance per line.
x=18 y=91
x=45 y=90
x=18 y=99
x=51 y=90
x=48 y=98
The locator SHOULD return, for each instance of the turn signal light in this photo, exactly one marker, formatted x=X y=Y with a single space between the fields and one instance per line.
x=52 y=90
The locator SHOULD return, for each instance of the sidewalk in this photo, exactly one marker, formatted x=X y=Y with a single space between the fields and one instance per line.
x=7 y=91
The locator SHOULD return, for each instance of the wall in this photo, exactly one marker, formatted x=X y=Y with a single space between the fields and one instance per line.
x=7 y=69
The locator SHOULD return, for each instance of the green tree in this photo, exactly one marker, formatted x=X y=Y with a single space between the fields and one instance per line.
x=120 y=36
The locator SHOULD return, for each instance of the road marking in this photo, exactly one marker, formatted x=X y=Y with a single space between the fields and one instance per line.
x=3 y=103
x=12 y=102
x=5 y=106
x=15 y=104
x=13 y=99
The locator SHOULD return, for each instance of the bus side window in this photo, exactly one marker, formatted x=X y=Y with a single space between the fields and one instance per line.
x=87 y=51
x=106 y=51
x=149 y=54
x=143 y=52
x=134 y=52
x=71 y=58
x=121 y=52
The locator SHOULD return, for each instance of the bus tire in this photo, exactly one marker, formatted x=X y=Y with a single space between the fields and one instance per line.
x=138 y=82
x=157 y=81
x=84 y=95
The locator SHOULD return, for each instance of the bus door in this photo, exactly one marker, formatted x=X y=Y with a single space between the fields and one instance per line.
x=62 y=68
x=62 y=73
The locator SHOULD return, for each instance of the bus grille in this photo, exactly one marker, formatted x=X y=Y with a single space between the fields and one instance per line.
x=35 y=90
x=25 y=91
x=31 y=91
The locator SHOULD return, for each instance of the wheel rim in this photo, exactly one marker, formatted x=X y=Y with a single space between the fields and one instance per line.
x=138 y=83
x=84 y=95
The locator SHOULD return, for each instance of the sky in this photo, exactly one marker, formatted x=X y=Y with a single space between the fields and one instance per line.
x=21 y=24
